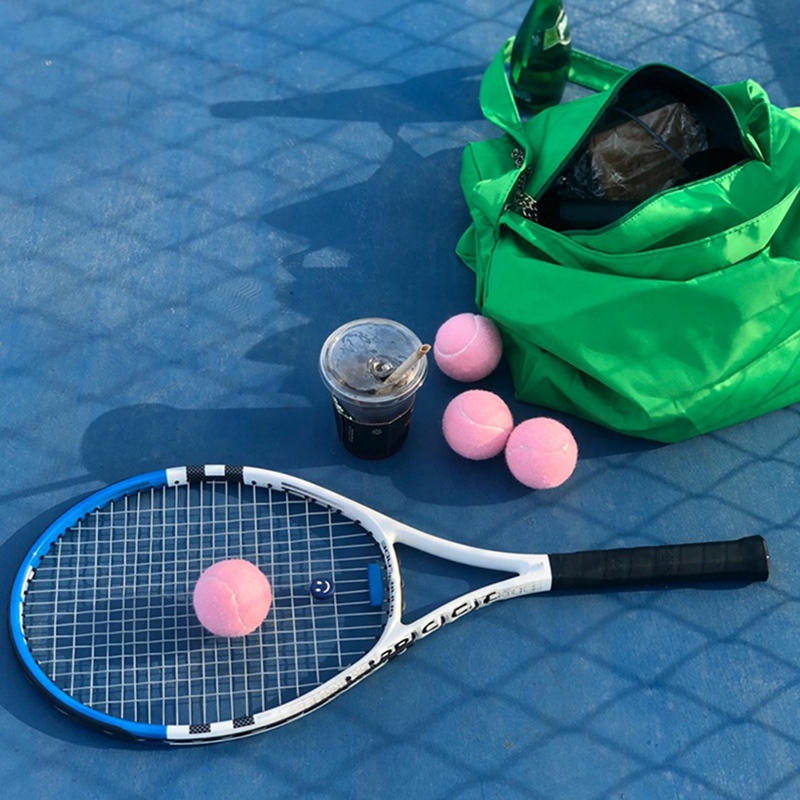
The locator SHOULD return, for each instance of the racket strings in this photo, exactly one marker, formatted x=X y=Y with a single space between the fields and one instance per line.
x=108 y=611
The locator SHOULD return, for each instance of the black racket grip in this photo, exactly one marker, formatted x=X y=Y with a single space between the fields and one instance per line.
x=742 y=560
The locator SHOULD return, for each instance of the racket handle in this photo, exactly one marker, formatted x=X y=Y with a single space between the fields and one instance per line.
x=743 y=560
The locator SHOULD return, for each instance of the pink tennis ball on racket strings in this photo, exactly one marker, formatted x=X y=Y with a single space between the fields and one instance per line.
x=541 y=453
x=476 y=424
x=468 y=347
x=232 y=598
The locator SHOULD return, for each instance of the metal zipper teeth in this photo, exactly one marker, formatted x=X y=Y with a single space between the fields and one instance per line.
x=521 y=202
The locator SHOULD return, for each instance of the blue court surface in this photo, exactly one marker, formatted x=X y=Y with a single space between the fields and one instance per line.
x=193 y=194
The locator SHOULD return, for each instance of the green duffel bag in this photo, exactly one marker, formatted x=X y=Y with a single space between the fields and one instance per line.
x=639 y=248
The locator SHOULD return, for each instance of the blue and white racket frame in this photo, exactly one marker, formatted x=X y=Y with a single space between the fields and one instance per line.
x=738 y=561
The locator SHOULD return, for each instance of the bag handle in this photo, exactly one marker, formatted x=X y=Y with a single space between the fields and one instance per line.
x=498 y=103
x=593 y=72
x=497 y=99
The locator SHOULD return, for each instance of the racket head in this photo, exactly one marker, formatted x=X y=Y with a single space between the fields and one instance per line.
x=101 y=613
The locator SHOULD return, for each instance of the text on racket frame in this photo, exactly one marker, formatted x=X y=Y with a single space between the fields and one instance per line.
x=433 y=623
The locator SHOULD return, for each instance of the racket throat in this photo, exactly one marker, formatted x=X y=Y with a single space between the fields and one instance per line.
x=438 y=590
x=412 y=634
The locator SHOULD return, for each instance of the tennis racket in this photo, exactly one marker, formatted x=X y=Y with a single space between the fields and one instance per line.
x=102 y=617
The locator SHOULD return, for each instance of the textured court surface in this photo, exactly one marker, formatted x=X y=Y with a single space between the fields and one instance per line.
x=192 y=195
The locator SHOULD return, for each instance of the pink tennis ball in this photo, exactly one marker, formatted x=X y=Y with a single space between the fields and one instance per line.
x=476 y=424
x=468 y=347
x=541 y=453
x=232 y=598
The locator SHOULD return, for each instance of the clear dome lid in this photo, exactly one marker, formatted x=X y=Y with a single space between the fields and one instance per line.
x=357 y=359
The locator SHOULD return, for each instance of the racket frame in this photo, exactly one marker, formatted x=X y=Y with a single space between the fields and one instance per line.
x=529 y=574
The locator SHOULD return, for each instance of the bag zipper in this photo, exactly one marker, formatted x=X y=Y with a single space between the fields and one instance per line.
x=526 y=205
x=520 y=201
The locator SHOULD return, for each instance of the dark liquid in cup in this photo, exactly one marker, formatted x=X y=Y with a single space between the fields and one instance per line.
x=371 y=440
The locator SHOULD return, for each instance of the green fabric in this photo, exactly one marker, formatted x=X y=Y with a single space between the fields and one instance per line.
x=682 y=317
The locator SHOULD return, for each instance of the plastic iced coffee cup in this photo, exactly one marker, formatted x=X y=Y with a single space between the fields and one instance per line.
x=373 y=368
